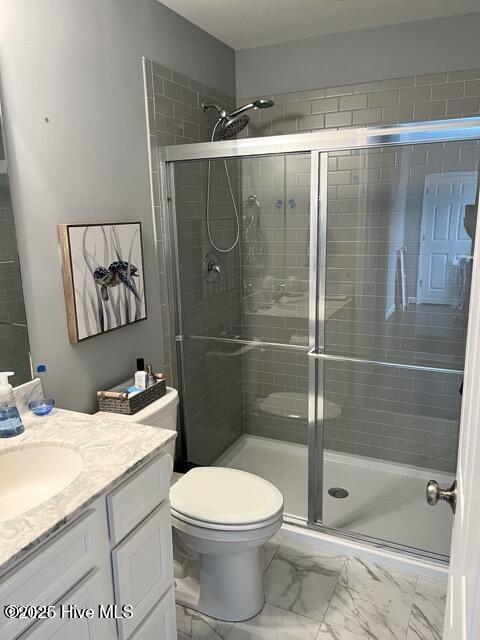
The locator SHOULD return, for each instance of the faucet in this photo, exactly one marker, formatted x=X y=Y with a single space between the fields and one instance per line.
x=215 y=268
x=212 y=269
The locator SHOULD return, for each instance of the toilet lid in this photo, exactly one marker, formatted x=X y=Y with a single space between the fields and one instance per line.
x=225 y=496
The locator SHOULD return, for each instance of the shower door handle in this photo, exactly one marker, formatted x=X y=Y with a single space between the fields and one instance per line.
x=435 y=493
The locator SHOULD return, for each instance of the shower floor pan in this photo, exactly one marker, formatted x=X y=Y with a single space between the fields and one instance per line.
x=385 y=500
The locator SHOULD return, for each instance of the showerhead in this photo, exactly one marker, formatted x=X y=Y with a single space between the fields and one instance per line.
x=263 y=103
x=231 y=126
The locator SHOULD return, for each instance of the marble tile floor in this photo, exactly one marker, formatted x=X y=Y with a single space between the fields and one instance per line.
x=310 y=595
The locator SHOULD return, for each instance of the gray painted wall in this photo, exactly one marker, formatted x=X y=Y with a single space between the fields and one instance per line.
x=79 y=65
x=426 y=46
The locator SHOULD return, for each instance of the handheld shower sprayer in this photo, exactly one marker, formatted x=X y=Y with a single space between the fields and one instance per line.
x=232 y=123
x=228 y=125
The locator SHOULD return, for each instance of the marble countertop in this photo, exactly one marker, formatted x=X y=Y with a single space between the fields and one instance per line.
x=111 y=449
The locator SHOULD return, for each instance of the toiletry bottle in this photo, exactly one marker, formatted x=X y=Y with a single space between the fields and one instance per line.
x=141 y=374
x=150 y=376
x=41 y=370
x=10 y=422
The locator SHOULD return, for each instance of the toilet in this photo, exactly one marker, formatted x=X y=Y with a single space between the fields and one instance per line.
x=223 y=517
x=220 y=518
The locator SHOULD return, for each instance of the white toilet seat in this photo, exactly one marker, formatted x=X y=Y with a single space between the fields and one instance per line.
x=219 y=535
x=227 y=499
x=225 y=527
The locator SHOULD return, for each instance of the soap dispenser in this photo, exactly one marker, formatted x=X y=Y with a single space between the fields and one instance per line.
x=10 y=421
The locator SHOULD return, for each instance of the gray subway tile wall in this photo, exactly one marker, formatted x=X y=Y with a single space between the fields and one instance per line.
x=275 y=259
x=409 y=418
x=275 y=392
x=212 y=407
x=386 y=203
x=14 y=344
x=213 y=399
x=392 y=415
x=391 y=101
x=374 y=210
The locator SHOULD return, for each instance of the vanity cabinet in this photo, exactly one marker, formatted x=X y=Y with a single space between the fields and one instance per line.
x=86 y=594
x=52 y=570
x=143 y=568
x=132 y=501
x=116 y=554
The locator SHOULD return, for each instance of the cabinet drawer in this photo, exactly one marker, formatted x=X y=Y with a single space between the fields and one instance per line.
x=160 y=623
x=45 y=576
x=138 y=496
x=143 y=568
x=88 y=594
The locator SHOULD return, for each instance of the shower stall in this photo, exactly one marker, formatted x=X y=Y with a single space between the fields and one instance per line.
x=325 y=350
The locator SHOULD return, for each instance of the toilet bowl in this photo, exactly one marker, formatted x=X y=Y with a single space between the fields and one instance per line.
x=221 y=517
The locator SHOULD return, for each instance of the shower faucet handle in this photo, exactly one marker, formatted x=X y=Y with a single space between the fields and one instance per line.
x=212 y=269
x=436 y=493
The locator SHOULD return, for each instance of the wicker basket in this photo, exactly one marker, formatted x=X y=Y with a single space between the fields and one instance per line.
x=117 y=401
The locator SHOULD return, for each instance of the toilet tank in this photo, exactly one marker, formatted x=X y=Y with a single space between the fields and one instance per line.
x=160 y=413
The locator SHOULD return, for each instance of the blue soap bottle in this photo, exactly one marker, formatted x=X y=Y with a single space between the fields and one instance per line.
x=10 y=421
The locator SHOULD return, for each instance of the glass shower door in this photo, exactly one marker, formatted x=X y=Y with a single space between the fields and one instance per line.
x=244 y=330
x=391 y=327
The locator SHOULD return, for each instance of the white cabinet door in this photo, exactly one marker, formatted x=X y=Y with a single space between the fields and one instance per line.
x=138 y=496
x=143 y=568
x=52 y=570
x=160 y=623
x=92 y=591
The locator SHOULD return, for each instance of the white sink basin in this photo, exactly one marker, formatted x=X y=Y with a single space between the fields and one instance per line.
x=32 y=475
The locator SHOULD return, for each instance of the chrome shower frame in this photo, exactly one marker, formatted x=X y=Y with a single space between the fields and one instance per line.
x=318 y=144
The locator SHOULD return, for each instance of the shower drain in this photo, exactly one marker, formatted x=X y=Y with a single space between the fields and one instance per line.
x=338 y=492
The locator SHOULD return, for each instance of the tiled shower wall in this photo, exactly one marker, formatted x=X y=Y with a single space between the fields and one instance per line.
x=275 y=261
x=213 y=405
x=375 y=208
x=426 y=97
x=374 y=211
x=213 y=374
x=384 y=426
x=14 y=345
x=409 y=418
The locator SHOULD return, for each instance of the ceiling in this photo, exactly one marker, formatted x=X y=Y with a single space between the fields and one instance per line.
x=242 y=24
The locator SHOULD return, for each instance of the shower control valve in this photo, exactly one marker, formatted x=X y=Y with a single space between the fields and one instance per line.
x=212 y=269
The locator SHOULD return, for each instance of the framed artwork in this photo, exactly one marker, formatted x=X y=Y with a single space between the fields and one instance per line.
x=103 y=277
